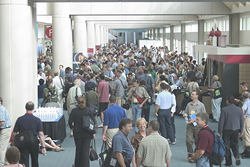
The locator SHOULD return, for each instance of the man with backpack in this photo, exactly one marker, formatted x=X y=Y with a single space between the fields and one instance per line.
x=50 y=94
x=205 y=143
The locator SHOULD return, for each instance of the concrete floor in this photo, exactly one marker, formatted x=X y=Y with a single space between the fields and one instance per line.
x=178 y=159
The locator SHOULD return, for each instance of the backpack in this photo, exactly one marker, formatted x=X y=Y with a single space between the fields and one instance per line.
x=219 y=150
x=52 y=95
x=90 y=124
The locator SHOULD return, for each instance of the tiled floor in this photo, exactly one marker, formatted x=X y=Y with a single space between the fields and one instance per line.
x=66 y=158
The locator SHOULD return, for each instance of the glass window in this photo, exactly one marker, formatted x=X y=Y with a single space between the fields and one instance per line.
x=177 y=29
x=248 y=23
x=227 y=25
x=161 y=30
x=241 y=24
x=168 y=30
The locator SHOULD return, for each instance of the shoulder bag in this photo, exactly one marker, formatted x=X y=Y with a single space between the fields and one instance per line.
x=92 y=154
x=140 y=99
x=24 y=138
x=217 y=93
x=103 y=154
x=90 y=123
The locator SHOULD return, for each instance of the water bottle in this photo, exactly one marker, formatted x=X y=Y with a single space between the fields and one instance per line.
x=186 y=119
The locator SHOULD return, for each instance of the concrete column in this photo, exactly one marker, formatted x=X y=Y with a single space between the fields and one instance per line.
x=80 y=35
x=164 y=36
x=91 y=35
x=62 y=36
x=97 y=34
x=101 y=35
x=34 y=55
x=200 y=39
x=154 y=34
x=201 y=32
x=158 y=34
x=234 y=28
x=16 y=85
x=172 y=37
x=183 y=37
x=107 y=35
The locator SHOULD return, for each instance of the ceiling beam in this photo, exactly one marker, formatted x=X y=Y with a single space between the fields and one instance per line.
x=138 y=8
x=243 y=3
x=228 y=4
x=235 y=4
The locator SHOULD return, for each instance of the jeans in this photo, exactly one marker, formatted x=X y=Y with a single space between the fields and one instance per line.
x=164 y=118
x=231 y=141
x=202 y=162
x=136 y=114
x=216 y=110
x=40 y=102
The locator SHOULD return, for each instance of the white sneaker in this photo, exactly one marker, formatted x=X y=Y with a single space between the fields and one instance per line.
x=100 y=126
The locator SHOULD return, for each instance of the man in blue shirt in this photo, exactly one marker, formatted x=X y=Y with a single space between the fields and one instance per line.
x=112 y=117
x=122 y=146
x=246 y=111
x=163 y=106
x=177 y=81
x=62 y=72
x=5 y=131
x=69 y=74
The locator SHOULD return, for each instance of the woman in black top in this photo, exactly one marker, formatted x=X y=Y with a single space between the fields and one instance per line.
x=82 y=137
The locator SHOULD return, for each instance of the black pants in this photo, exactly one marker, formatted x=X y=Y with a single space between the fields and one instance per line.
x=173 y=125
x=33 y=150
x=82 y=152
x=231 y=141
x=164 y=118
x=145 y=112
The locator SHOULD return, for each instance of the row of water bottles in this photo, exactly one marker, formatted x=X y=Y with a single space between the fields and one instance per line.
x=48 y=114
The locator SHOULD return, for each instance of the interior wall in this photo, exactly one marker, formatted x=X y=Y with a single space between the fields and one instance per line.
x=130 y=37
x=244 y=37
x=230 y=81
x=244 y=74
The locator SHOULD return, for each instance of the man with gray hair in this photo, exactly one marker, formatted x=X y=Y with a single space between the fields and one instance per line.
x=246 y=112
x=150 y=154
x=74 y=93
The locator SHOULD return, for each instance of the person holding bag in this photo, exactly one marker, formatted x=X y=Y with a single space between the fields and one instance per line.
x=216 y=98
x=82 y=137
x=138 y=96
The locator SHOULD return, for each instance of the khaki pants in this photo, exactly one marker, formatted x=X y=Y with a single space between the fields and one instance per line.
x=109 y=136
x=4 y=142
x=120 y=101
x=129 y=113
x=246 y=133
x=191 y=137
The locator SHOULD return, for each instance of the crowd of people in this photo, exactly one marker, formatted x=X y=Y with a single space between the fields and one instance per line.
x=124 y=82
